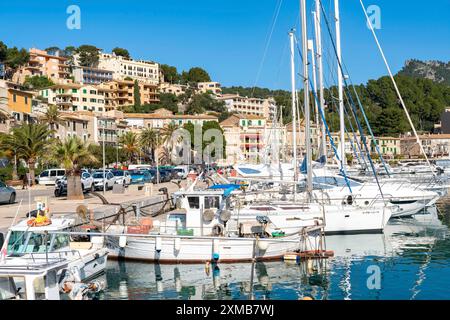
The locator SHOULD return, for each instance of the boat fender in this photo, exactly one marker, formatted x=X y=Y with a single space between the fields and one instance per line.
x=177 y=244
x=208 y=215
x=262 y=245
x=217 y=230
x=178 y=203
x=122 y=241
x=225 y=215
x=216 y=253
x=158 y=244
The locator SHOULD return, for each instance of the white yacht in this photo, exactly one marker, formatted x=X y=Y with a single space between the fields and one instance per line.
x=25 y=245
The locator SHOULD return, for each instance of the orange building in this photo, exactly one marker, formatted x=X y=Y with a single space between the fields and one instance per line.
x=19 y=100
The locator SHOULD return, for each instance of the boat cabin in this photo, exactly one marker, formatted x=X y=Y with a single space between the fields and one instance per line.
x=37 y=281
x=201 y=212
x=23 y=239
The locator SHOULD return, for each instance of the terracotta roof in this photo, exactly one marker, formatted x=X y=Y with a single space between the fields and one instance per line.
x=65 y=86
x=233 y=120
x=165 y=116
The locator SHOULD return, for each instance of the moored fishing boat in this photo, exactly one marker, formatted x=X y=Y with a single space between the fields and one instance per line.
x=202 y=228
x=27 y=243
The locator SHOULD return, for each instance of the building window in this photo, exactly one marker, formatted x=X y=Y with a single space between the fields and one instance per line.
x=26 y=100
x=84 y=91
x=74 y=90
x=14 y=98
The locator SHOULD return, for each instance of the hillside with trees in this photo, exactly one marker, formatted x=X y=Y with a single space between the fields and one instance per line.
x=436 y=71
x=425 y=100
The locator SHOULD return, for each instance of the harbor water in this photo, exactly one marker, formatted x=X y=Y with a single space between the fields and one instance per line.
x=411 y=260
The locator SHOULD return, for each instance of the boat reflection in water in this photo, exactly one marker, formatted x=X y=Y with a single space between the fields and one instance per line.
x=409 y=257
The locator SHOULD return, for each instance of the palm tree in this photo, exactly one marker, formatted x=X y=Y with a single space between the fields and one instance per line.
x=150 y=139
x=4 y=115
x=166 y=133
x=52 y=117
x=30 y=143
x=73 y=154
x=130 y=144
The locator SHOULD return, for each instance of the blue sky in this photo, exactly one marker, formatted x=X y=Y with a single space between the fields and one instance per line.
x=228 y=37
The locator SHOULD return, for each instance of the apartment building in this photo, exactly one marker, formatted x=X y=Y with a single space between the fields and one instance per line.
x=74 y=124
x=43 y=64
x=252 y=106
x=16 y=105
x=162 y=117
x=300 y=140
x=122 y=68
x=87 y=75
x=209 y=87
x=389 y=147
x=245 y=138
x=75 y=97
x=434 y=145
x=176 y=89
x=92 y=127
x=119 y=93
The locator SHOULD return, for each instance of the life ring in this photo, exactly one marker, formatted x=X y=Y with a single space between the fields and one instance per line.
x=225 y=215
x=217 y=230
x=33 y=223
x=208 y=215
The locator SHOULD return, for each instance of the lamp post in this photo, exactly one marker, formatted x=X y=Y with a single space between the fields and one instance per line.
x=104 y=164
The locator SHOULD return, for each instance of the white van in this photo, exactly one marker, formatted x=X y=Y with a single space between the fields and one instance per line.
x=49 y=177
x=139 y=166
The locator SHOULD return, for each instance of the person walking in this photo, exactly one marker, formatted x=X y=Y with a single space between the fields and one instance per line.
x=24 y=181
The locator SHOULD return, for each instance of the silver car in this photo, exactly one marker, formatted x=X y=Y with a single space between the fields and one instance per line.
x=7 y=194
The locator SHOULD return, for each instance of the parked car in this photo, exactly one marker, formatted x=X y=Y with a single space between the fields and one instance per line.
x=7 y=194
x=98 y=180
x=164 y=175
x=87 y=184
x=121 y=177
x=49 y=177
x=182 y=171
x=140 y=176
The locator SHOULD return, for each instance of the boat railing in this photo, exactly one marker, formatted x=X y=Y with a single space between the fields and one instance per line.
x=55 y=255
x=173 y=236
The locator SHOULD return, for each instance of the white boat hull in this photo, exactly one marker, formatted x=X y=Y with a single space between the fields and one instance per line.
x=191 y=250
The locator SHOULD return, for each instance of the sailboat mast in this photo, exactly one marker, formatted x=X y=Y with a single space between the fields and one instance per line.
x=318 y=36
x=314 y=72
x=294 y=107
x=306 y=97
x=340 y=84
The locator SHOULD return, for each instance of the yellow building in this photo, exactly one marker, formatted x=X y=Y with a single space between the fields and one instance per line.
x=19 y=100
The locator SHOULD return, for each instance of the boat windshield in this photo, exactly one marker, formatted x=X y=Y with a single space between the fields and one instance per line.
x=333 y=181
x=443 y=163
x=23 y=242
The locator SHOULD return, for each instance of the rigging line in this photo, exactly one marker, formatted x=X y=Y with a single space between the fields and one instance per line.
x=369 y=127
x=268 y=40
x=322 y=115
x=280 y=64
x=395 y=86
x=331 y=93
x=354 y=109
